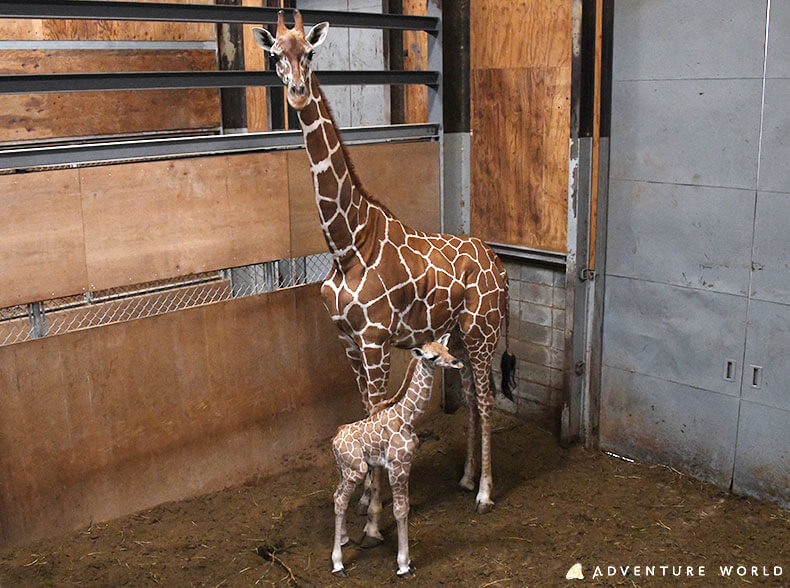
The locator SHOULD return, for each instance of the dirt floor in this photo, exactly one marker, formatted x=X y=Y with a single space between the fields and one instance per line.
x=554 y=507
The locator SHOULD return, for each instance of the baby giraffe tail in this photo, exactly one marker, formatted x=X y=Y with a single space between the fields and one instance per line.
x=508 y=363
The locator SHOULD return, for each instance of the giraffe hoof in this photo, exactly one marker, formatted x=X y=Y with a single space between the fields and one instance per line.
x=467 y=484
x=484 y=507
x=369 y=541
x=341 y=573
x=361 y=509
x=407 y=574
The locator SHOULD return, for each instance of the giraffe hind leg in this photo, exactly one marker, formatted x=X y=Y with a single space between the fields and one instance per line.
x=467 y=482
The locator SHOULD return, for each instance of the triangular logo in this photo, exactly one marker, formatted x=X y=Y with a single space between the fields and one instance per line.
x=575 y=573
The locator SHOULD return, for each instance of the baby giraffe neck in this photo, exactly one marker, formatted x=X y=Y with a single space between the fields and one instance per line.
x=337 y=197
x=415 y=401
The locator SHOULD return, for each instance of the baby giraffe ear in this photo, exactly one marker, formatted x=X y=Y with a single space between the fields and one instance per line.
x=417 y=352
x=263 y=38
x=444 y=339
x=317 y=34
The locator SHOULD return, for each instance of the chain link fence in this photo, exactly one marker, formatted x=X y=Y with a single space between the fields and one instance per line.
x=93 y=309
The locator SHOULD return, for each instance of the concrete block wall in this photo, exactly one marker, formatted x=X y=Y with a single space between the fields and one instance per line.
x=537 y=339
x=697 y=279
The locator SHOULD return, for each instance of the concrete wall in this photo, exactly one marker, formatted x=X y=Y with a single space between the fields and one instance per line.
x=696 y=271
x=537 y=323
x=353 y=49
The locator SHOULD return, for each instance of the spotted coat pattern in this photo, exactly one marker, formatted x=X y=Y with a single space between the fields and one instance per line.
x=387 y=439
x=391 y=285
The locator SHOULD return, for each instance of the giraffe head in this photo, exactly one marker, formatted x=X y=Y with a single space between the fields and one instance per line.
x=437 y=354
x=293 y=50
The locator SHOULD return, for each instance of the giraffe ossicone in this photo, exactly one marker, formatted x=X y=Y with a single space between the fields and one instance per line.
x=387 y=439
x=391 y=285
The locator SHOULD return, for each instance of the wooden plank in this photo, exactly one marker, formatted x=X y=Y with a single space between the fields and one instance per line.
x=255 y=58
x=12 y=29
x=259 y=207
x=153 y=220
x=596 y=149
x=415 y=57
x=520 y=33
x=108 y=421
x=519 y=156
x=382 y=169
x=521 y=64
x=39 y=116
x=41 y=237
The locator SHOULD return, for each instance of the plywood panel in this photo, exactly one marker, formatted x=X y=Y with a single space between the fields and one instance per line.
x=255 y=58
x=37 y=116
x=415 y=57
x=519 y=163
x=41 y=237
x=520 y=33
x=104 y=422
x=404 y=176
x=148 y=221
x=107 y=30
x=521 y=66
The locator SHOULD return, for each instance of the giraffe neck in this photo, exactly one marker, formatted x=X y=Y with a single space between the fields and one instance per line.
x=338 y=198
x=415 y=401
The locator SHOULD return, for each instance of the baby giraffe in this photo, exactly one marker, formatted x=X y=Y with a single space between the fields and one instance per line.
x=387 y=438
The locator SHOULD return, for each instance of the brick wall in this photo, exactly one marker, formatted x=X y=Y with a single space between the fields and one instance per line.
x=537 y=339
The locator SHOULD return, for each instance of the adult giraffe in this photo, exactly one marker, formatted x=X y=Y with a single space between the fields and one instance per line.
x=391 y=285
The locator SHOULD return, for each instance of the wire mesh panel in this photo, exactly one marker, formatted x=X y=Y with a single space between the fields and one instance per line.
x=92 y=309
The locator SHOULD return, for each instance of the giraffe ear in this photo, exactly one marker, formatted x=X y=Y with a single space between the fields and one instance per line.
x=317 y=34
x=417 y=352
x=263 y=38
x=444 y=339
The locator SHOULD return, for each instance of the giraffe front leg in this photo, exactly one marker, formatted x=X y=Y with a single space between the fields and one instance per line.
x=376 y=363
x=349 y=480
x=372 y=535
x=399 y=481
x=470 y=466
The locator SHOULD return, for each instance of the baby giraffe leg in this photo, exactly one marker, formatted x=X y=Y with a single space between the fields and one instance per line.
x=349 y=480
x=373 y=536
x=399 y=482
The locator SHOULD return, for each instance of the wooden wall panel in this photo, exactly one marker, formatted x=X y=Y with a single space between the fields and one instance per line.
x=40 y=116
x=404 y=176
x=153 y=220
x=104 y=422
x=521 y=74
x=75 y=30
x=415 y=57
x=42 y=250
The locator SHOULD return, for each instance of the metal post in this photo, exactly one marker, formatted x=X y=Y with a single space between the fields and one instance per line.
x=38 y=323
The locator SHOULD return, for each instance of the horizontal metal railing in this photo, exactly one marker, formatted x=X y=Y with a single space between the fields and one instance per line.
x=162 y=11
x=168 y=80
x=171 y=147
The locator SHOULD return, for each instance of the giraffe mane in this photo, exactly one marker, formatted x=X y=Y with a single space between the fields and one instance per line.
x=355 y=179
x=401 y=392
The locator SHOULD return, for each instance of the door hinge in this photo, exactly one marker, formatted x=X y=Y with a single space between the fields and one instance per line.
x=579 y=367
x=586 y=273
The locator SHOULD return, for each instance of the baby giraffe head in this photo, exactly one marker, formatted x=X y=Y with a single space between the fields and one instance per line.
x=293 y=50
x=436 y=354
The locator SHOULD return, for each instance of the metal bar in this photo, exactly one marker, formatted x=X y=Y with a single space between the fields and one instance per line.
x=162 y=11
x=550 y=258
x=101 y=45
x=164 y=80
x=91 y=153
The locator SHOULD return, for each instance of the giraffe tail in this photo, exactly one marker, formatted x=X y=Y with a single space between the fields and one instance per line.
x=508 y=363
